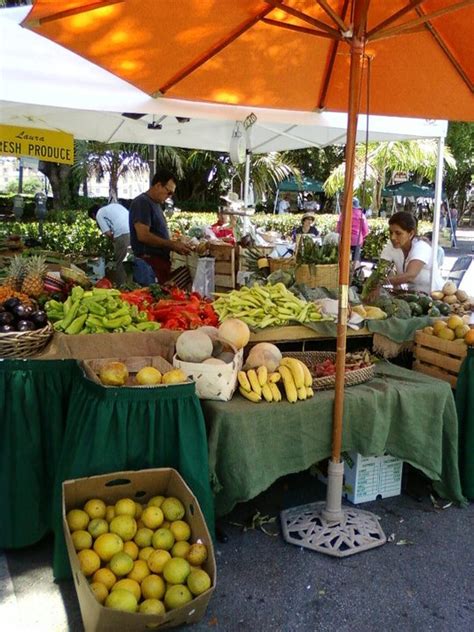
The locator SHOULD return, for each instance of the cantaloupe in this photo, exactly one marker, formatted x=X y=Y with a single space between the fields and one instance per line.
x=193 y=346
x=264 y=354
x=235 y=332
x=213 y=361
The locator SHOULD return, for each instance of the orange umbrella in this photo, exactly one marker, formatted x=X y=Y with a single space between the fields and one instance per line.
x=397 y=57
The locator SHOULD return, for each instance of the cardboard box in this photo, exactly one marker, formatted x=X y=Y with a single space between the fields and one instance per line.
x=92 y=369
x=140 y=485
x=367 y=478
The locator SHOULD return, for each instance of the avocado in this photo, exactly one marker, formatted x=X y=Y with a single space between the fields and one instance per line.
x=444 y=308
x=416 y=309
x=434 y=312
x=410 y=298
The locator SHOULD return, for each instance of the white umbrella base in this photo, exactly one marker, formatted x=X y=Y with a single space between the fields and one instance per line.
x=356 y=531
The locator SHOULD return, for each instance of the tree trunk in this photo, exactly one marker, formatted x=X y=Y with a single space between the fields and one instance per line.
x=62 y=184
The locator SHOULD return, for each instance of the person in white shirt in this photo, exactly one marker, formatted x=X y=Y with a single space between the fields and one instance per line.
x=412 y=255
x=113 y=221
x=284 y=205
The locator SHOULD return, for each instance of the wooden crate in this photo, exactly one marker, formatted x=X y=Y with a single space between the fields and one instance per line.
x=224 y=267
x=438 y=358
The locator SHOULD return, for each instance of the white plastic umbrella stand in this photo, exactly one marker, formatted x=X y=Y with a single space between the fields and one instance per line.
x=328 y=527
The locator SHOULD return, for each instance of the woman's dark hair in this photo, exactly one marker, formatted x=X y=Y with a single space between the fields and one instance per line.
x=163 y=176
x=405 y=220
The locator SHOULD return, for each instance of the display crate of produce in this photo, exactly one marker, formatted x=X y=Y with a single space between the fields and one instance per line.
x=367 y=478
x=134 y=365
x=224 y=267
x=139 y=485
x=317 y=275
x=438 y=358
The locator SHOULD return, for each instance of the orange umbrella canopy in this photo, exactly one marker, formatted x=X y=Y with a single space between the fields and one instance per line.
x=291 y=54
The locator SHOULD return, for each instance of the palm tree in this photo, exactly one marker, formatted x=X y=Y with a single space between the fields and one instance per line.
x=268 y=170
x=418 y=157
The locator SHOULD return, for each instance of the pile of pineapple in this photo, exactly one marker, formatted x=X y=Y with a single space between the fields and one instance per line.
x=26 y=275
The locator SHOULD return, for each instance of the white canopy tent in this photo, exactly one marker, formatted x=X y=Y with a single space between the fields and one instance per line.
x=45 y=86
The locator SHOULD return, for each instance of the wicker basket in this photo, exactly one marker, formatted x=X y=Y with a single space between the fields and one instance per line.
x=317 y=275
x=311 y=358
x=22 y=344
x=286 y=263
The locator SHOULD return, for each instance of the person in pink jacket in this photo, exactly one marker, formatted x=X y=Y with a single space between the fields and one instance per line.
x=359 y=229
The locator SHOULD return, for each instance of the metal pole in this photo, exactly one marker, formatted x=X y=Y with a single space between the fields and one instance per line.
x=437 y=206
x=247 y=178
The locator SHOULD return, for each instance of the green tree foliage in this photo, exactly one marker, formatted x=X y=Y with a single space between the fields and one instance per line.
x=460 y=140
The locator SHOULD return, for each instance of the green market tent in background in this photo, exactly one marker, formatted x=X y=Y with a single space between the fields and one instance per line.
x=409 y=189
x=293 y=184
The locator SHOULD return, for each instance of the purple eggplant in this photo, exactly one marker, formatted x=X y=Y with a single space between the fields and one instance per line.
x=39 y=318
x=6 y=318
x=25 y=325
x=10 y=303
x=6 y=329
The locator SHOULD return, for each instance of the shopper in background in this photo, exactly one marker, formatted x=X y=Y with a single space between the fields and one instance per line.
x=306 y=227
x=113 y=221
x=149 y=235
x=359 y=229
x=284 y=205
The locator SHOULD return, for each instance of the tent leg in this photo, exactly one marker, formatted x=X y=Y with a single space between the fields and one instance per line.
x=437 y=206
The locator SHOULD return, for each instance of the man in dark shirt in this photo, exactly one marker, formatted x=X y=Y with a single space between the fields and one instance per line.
x=149 y=235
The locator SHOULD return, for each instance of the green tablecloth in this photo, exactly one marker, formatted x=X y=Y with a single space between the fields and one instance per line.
x=404 y=413
x=59 y=425
x=465 y=408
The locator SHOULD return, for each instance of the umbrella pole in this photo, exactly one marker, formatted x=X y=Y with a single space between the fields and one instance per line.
x=328 y=527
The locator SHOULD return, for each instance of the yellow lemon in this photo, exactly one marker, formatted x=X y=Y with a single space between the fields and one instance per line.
x=89 y=561
x=143 y=537
x=175 y=376
x=198 y=582
x=145 y=553
x=104 y=576
x=139 y=571
x=109 y=513
x=107 y=545
x=156 y=501
x=131 y=549
x=100 y=591
x=81 y=540
x=176 y=570
x=77 y=520
x=124 y=526
x=152 y=606
x=138 y=510
x=148 y=375
x=446 y=334
x=163 y=539
x=455 y=321
x=122 y=600
x=438 y=325
x=95 y=508
x=173 y=509
x=157 y=560
x=177 y=596
x=180 y=549
x=197 y=554
x=125 y=506
x=97 y=526
x=152 y=517
x=181 y=530
x=130 y=585
x=153 y=587
x=121 y=564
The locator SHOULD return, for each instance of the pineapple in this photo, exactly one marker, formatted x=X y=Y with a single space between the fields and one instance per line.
x=34 y=275
x=15 y=273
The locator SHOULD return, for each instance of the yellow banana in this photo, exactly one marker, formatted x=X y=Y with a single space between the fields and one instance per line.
x=289 y=383
x=275 y=391
x=302 y=392
x=296 y=369
x=267 y=393
x=262 y=375
x=250 y=395
x=309 y=391
x=308 y=378
x=254 y=383
x=274 y=377
x=243 y=381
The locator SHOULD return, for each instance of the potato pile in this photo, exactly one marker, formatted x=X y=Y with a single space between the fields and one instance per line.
x=458 y=300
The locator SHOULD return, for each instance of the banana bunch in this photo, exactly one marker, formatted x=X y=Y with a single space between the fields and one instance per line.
x=292 y=375
x=266 y=306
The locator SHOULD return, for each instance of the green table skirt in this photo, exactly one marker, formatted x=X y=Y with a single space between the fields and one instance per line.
x=403 y=413
x=80 y=428
x=465 y=408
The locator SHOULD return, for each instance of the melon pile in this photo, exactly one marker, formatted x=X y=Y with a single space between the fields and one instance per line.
x=453 y=329
x=209 y=345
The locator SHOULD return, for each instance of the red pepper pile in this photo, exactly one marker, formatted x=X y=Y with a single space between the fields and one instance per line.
x=179 y=310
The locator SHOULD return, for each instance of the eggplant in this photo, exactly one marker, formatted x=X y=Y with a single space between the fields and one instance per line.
x=25 y=325
x=6 y=318
x=39 y=318
x=10 y=303
x=6 y=329
x=21 y=312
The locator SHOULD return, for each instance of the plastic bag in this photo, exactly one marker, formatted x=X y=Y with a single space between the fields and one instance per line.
x=204 y=279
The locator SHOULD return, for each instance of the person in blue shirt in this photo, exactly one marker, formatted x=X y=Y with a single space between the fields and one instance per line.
x=306 y=227
x=149 y=235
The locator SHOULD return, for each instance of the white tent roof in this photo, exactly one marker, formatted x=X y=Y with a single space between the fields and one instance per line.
x=46 y=86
